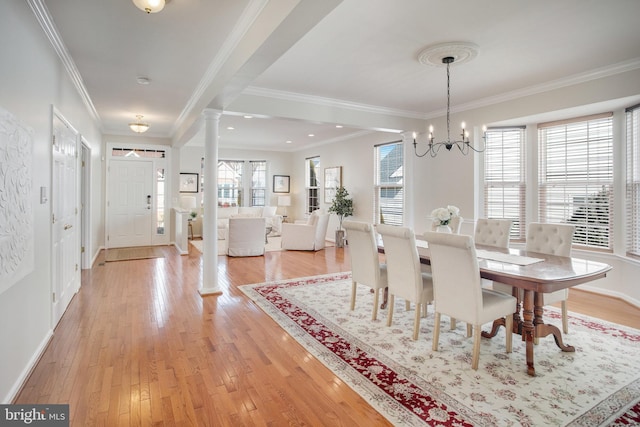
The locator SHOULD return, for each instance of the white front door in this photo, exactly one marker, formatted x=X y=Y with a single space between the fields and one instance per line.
x=130 y=203
x=64 y=205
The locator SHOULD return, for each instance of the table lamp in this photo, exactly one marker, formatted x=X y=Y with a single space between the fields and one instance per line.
x=284 y=201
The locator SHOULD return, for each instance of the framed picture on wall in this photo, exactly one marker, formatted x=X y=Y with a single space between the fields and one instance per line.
x=281 y=184
x=189 y=182
x=332 y=181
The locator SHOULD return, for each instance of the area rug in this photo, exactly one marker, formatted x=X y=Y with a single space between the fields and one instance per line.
x=412 y=385
x=272 y=246
x=126 y=254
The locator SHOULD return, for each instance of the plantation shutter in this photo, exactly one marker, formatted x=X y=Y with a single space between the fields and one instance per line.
x=576 y=177
x=505 y=177
x=632 y=229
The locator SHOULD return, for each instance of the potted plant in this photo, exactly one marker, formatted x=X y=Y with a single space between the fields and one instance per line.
x=342 y=206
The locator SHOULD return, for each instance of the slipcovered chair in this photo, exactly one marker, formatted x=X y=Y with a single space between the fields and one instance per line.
x=246 y=237
x=365 y=261
x=404 y=276
x=552 y=239
x=306 y=237
x=458 y=291
x=494 y=232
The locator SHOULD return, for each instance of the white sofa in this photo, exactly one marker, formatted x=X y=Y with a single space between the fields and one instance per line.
x=267 y=212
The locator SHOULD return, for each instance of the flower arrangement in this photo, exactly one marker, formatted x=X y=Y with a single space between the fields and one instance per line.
x=442 y=216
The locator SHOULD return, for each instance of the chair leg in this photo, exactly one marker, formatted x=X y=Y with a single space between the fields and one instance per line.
x=565 y=319
x=453 y=324
x=354 y=285
x=508 y=325
x=476 y=347
x=390 y=311
x=436 y=331
x=424 y=310
x=469 y=330
x=416 y=321
x=376 y=296
x=407 y=305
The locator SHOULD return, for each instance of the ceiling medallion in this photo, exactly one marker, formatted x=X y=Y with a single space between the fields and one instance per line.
x=461 y=52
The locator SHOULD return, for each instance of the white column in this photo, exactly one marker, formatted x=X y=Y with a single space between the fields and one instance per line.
x=210 y=283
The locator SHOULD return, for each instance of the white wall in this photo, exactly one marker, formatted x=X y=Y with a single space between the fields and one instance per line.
x=32 y=79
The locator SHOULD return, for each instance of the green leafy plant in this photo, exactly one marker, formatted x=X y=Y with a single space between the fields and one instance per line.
x=342 y=205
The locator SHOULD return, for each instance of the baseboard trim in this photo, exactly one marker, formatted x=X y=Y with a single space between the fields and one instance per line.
x=24 y=376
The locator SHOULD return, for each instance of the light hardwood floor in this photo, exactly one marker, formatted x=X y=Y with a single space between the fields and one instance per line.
x=139 y=346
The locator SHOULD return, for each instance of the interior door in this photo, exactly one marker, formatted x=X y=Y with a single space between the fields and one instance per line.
x=64 y=205
x=130 y=203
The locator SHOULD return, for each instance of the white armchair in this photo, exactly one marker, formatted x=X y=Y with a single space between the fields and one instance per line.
x=306 y=237
x=246 y=237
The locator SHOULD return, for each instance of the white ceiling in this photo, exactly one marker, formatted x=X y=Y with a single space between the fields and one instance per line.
x=358 y=53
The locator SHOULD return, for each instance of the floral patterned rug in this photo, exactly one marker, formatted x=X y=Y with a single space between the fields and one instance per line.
x=412 y=385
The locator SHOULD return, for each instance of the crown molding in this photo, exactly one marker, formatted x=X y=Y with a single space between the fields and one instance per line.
x=46 y=22
x=329 y=102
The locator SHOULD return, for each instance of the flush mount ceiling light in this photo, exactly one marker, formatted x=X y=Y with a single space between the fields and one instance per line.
x=139 y=126
x=150 y=6
x=447 y=54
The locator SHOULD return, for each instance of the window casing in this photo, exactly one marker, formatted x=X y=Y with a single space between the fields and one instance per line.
x=505 y=177
x=632 y=228
x=576 y=177
x=389 y=184
x=312 y=184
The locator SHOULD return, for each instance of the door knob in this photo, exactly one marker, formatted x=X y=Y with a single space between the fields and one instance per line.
x=67 y=226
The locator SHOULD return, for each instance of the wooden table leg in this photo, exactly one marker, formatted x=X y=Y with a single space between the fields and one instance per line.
x=517 y=322
x=528 y=329
x=543 y=329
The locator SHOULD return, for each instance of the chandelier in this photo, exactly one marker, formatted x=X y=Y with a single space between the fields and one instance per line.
x=138 y=126
x=463 y=144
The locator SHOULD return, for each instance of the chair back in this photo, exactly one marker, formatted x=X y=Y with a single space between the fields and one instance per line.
x=403 y=262
x=552 y=239
x=493 y=232
x=454 y=224
x=457 y=288
x=321 y=225
x=363 y=251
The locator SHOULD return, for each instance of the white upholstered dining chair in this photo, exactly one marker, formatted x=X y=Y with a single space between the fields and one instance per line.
x=404 y=276
x=494 y=232
x=366 y=268
x=458 y=292
x=552 y=239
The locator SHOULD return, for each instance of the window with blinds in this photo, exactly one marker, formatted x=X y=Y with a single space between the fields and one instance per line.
x=312 y=183
x=258 y=182
x=389 y=184
x=576 y=177
x=230 y=182
x=633 y=181
x=505 y=177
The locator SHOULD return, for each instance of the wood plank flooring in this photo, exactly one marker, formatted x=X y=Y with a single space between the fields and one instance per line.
x=138 y=346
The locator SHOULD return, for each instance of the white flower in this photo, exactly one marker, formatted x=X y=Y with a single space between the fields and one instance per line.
x=443 y=215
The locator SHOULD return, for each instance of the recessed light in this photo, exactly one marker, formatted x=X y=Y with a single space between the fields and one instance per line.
x=312 y=135
x=248 y=117
x=287 y=142
x=339 y=126
x=143 y=80
x=230 y=128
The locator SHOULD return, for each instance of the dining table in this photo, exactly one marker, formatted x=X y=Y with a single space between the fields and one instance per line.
x=536 y=274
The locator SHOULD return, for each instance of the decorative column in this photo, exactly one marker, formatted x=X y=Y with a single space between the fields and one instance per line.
x=210 y=284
